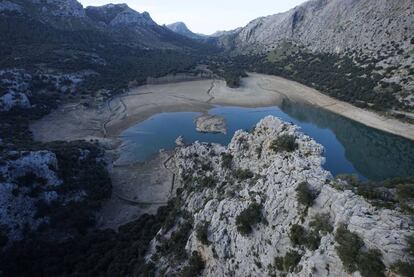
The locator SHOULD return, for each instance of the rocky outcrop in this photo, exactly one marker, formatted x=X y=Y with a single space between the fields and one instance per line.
x=211 y=124
x=21 y=178
x=7 y=6
x=12 y=100
x=182 y=29
x=118 y=15
x=258 y=173
x=65 y=8
x=375 y=34
x=334 y=26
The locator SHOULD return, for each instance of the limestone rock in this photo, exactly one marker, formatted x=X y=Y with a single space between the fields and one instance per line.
x=212 y=191
x=211 y=124
x=13 y=99
x=179 y=141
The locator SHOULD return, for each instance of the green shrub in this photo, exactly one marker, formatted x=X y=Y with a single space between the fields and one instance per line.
x=370 y=263
x=321 y=222
x=195 y=266
x=176 y=244
x=351 y=179
x=350 y=251
x=284 y=143
x=299 y=236
x=289 y=262
x=248 y=218
x=403 y=268
x=304 y=195
x=410 y=242
x=202 y=233
x=405 y=191
x=226 y=160
x=207 y=181
x=349 y=246
x=243 y=174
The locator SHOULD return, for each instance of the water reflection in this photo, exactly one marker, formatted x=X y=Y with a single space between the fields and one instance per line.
x=375 y=154
x=349 y=146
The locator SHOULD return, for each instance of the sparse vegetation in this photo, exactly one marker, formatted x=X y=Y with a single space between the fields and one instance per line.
x=403 y=268
x=299 y=236
x=284 y=143
x=305 y=195
x=248 y=218
x=370 y=263
x=410 y=242
x=321 y=222
x=226 y=160
x=206 y=181
x=393 y=194
x=243 y=174
x=289 y=262
x=349 y=246
x=351 y=251
x=195 y=266
x=202 y=233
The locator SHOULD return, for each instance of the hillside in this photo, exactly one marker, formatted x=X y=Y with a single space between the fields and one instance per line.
x=182 y=29
x=47 y=42
x=377 y=35
x=261 y=206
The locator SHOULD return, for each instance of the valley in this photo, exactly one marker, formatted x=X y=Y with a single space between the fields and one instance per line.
x=134 y=146
x=117 y=114
x=109 y=121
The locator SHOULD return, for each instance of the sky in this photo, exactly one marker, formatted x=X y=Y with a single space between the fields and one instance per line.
x=204 y=17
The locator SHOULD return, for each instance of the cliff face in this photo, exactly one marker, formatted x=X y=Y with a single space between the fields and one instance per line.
x=374 y=34
x=246 y=208
x=334 y=26
x=182 y=29
x=116 y=15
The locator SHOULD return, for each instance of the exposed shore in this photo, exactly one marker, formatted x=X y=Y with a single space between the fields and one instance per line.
x=141 y=184
x=109 y=120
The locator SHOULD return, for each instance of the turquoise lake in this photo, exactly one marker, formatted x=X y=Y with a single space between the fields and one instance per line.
x=350 y=147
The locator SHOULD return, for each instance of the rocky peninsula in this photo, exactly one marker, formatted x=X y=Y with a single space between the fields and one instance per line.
x=264 y=206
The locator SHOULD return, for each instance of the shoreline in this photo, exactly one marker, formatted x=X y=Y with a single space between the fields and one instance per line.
x=302 y=93
x=257 y=90
x=106 y=122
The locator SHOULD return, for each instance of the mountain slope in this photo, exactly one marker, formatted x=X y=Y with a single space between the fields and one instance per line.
x=104 y=47
x=374 y=35
x=182 y=29
x=334 y=26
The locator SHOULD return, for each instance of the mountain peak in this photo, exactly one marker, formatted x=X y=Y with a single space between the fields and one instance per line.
x=119 y=14
x=182 y=29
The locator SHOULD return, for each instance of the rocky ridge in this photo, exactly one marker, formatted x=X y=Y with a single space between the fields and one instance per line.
x=377 y=34
x=334 y=26
x=182 y=29
x=258 y=174
x=118 y=15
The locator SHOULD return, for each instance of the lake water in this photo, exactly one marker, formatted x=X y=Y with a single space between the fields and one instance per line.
x=350 y=147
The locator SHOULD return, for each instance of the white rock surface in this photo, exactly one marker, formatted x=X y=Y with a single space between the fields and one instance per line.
x=276 y=177
x=17 y=204
x=334 y=25
x=14 y=99
x=211 y=124
x=9 y=6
